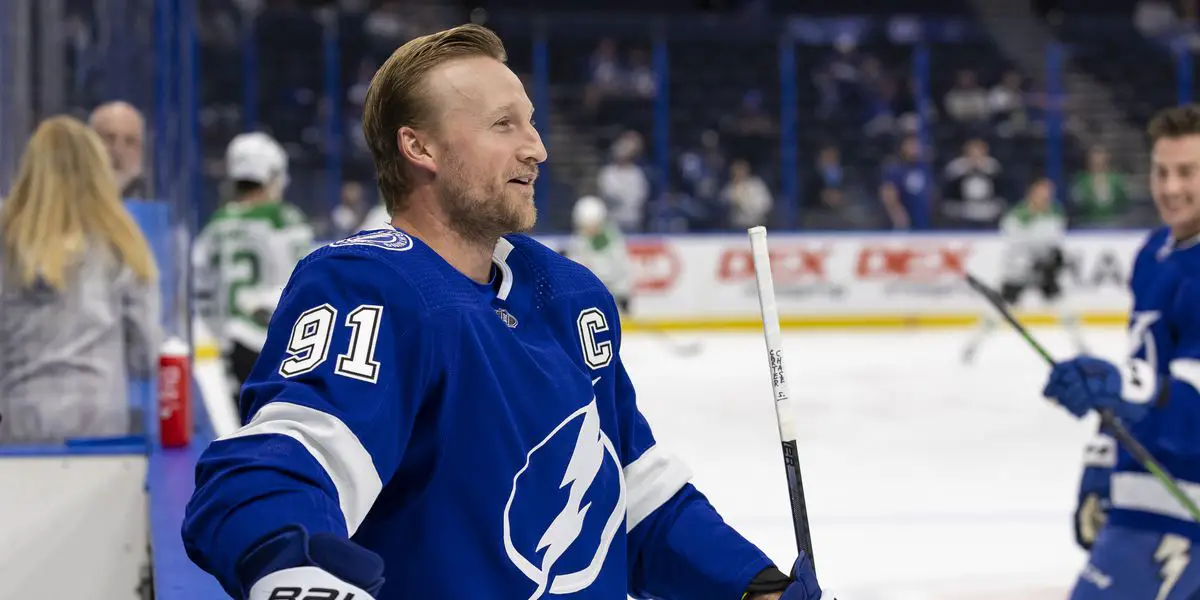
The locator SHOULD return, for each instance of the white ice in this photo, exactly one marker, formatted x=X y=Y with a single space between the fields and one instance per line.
x=925 y=479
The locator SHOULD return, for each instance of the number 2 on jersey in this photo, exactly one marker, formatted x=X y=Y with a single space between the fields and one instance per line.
x=312 y=334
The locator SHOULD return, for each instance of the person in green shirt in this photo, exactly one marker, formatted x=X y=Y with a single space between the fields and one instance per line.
x=1099 y=193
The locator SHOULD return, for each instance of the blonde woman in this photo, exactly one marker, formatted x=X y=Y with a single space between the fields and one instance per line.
x=79 y=303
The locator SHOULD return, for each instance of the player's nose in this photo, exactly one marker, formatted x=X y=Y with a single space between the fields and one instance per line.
x=533 y=150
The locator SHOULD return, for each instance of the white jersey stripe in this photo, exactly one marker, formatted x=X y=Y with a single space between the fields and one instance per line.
x=1187 y=370
x=652 y=479
x=332 y=445
x=1141 y=491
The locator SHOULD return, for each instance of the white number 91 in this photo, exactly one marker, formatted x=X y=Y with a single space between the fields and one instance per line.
x=308 y=345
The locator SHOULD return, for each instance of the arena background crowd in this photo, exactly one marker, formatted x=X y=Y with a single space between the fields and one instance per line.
x=684 y=116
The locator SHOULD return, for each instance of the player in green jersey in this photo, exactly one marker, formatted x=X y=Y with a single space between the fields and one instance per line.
x=245 y=255
x=1034 y=234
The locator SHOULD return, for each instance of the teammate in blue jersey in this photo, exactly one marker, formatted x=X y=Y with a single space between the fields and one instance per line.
x=440 y=409
x=1141 y=537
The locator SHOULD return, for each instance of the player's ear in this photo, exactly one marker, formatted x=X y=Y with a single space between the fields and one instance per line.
x=415 y=148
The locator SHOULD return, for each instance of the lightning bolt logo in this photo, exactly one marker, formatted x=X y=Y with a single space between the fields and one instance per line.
x=1173 y=556
x=585 y=464
x=592 y=451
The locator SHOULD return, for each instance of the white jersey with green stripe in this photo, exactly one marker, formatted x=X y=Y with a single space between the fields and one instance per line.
x=1030 y=237
x=242 y=260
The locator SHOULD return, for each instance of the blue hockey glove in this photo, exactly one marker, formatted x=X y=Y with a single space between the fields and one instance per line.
x=291 y=564
x=804 y=582
x=1091 y=509
x=801 y=585
x=1086 y=383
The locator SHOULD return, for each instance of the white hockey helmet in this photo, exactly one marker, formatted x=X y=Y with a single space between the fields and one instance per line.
x=589 y=211
x=257 y=157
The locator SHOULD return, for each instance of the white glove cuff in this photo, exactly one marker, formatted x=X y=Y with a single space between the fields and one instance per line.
x=299 y=583
x=1101 y=451
x=1139 y=382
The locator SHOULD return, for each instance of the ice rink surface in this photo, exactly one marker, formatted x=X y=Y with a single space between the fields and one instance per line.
x=926 y=479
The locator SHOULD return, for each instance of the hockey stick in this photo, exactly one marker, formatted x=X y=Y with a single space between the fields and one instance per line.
x=674 y=345
x=1107 y=419
x=784 y=408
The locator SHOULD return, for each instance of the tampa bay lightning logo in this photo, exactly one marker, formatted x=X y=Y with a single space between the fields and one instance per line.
x=387 y=239
x=562 y=515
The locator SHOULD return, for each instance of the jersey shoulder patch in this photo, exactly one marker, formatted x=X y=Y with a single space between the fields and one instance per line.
x=384 y=239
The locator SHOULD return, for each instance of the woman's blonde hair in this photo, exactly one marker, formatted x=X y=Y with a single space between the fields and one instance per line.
x=65 y=196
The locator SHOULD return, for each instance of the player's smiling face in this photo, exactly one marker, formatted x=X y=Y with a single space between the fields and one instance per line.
x=489 y=149
x=1175 y=183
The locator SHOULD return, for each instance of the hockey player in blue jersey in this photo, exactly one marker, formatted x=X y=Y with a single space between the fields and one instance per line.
x=440 y=409
x=1141 y=538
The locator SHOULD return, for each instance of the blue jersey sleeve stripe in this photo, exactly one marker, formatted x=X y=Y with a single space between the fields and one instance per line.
x=1187 y=370
x=333 y=445
x=652 y=479
x=1141 y=491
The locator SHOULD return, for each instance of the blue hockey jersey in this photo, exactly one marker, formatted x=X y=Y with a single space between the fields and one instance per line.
x=483 y=439
x=1164 y=335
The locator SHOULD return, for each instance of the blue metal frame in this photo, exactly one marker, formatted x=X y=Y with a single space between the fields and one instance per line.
x=1055 y=119
x=542 y=109
x=789 y=142
x=333 y=127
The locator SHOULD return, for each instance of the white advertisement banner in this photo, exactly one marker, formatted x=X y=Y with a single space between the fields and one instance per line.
x=844 y=278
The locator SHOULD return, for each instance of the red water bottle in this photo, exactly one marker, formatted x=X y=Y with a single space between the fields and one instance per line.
x=174 y=394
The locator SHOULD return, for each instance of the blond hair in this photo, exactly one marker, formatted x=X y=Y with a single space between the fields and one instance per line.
x=64 y=197
x=396 y=97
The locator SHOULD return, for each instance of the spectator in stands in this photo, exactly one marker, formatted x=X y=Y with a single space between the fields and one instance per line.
x=839 y=80
x=674 y=212
x=79 y=303
x=831 y=194
x=970 y=192
x=967 y=102
x=1006 y=101
x=1099 y=195
x=905 y=188
x=348 y=215
x=701 y=169
x=386 y=27
x=123 y=130
x=751 y=131
x=640 y=81
x=1155 y=17
x=606 y=75
x=747 y=197
x=882 y=101
x=623 y=184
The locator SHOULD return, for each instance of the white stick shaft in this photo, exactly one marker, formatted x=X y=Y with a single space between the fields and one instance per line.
x=784 y=409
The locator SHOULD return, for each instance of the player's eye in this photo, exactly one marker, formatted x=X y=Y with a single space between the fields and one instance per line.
x=505 y=122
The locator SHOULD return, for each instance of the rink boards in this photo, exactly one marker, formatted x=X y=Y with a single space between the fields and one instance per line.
x=90 y=509
x=860 y=280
